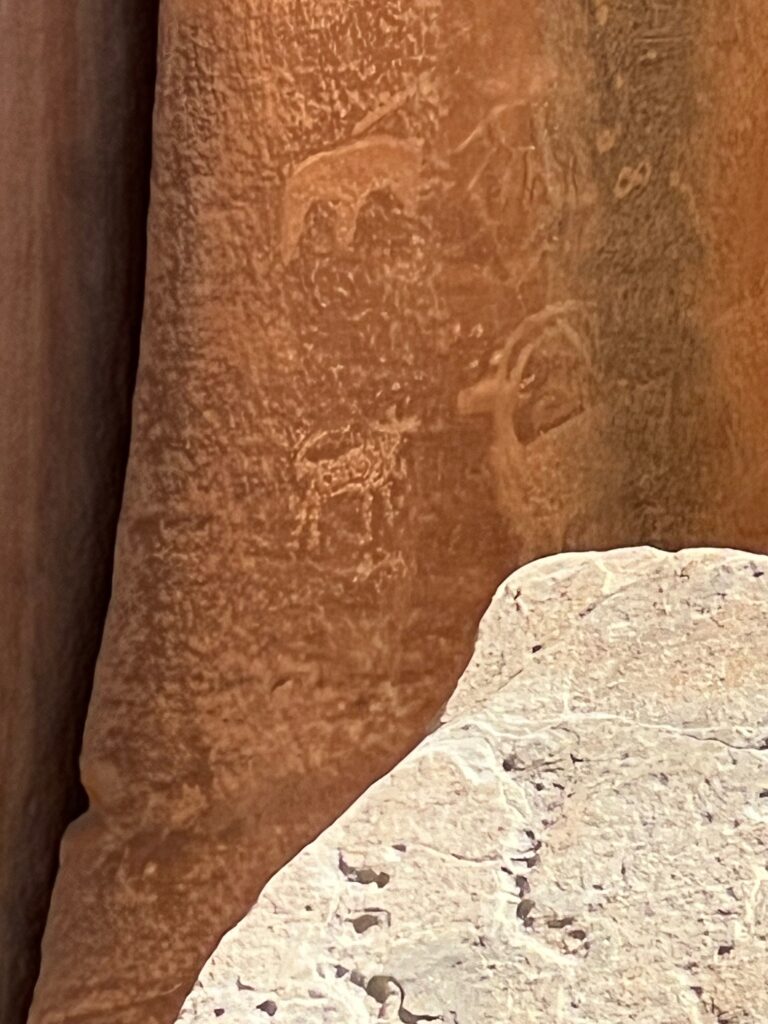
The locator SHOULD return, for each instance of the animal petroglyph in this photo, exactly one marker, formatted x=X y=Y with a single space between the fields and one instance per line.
x=500 y=393
x=540 y=380
x=346 y=176
x=356 y=462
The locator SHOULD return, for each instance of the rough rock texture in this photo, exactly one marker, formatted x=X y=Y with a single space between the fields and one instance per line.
x=585 y=838
x=433 y=288
x=76 y=82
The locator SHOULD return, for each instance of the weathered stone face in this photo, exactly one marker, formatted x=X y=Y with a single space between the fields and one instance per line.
x=76 y=83
x=584 y=838
x=433 y=289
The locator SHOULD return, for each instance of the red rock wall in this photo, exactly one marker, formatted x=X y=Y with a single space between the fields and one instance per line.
x=433 y=289
x=75 y=107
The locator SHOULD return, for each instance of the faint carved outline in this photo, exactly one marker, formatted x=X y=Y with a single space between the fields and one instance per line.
x=499 y=396
x=346 y=176
x=365 y=465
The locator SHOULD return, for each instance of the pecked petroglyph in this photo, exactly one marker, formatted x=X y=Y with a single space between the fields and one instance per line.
x=346 y=176
x=540 y=385
x=500 y=393
x=354 y=461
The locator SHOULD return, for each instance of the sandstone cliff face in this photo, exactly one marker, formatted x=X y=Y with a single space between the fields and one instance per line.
x=75 y=108
x=583 y=839
x=433 y=289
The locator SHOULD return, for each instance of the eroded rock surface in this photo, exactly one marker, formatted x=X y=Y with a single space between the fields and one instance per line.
x=585 y=838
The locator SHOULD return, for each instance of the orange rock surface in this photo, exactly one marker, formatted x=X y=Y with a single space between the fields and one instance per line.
x=433 y=289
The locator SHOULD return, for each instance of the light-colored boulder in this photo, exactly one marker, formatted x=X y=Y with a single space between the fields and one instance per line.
x=585 y=837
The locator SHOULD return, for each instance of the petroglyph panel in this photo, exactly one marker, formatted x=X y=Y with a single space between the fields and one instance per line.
x=434 y=288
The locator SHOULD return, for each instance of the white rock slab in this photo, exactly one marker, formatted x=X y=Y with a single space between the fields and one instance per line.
x=584 y=839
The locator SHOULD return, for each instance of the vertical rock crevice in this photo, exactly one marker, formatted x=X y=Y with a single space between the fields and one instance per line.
x=76 y=95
